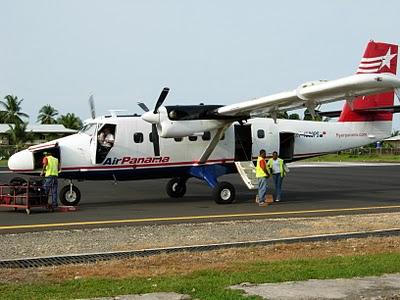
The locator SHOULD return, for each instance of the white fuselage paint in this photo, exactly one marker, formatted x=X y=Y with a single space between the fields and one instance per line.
x=310 y=139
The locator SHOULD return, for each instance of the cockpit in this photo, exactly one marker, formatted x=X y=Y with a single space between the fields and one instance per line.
x=102 y=139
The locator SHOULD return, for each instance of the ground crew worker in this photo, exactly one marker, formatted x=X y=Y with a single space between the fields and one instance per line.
x=262 y=175
x=276 y=167
x=51 y=168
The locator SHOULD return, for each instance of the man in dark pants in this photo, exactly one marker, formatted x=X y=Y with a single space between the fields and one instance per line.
x=262 y=175
x=51 y=168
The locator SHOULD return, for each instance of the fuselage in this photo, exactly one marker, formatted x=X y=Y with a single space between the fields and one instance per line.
x=132 y=156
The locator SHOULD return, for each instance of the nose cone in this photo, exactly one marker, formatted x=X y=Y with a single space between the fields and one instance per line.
x=21 y=161
x=151 y=117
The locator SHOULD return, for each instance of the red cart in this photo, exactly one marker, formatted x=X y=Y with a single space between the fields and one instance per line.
x=23 y=194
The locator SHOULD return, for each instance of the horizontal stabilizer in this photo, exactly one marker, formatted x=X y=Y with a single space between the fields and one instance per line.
x=336 y=113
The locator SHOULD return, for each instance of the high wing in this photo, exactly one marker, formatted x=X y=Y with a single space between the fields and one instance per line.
x=314 y=93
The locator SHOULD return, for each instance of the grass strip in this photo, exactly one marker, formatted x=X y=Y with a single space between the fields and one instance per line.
x=211 y=284
x=355 y=158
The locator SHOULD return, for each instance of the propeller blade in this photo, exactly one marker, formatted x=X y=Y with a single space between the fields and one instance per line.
x=156 y=140
x=92 y=108
x=161 y=99
x=143 y=106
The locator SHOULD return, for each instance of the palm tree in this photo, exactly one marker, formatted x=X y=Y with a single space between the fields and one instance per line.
x=11 y=112
x=70 y=121
x=18 y=135
x=47 y=115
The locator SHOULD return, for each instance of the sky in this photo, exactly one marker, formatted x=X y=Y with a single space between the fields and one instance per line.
x=215 y=52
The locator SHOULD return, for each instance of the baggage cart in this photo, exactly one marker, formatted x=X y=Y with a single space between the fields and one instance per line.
x=22 y=194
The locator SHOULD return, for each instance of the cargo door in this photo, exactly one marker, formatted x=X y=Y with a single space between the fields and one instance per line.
x=243 y=142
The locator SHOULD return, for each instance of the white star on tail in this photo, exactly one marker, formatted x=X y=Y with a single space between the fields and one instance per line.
x=386 y=59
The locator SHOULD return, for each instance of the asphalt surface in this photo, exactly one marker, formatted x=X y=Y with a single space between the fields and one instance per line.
x=307 y=192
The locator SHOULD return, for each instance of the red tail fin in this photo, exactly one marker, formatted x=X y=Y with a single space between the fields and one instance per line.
x=378 y=58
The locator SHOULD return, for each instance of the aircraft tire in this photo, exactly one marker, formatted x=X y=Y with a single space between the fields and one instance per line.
x=224 y=193
x=176 y=188
x=70 y=199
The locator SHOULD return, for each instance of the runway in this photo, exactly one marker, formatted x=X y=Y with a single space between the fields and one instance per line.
x=308 y=191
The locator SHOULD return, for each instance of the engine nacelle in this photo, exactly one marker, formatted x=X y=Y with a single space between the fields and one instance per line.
x=174 y=129
x=181 y=121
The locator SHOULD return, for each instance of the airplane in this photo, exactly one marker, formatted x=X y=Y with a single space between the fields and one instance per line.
x=204 y=141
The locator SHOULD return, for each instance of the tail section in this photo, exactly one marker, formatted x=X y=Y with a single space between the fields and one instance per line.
x=378 y=58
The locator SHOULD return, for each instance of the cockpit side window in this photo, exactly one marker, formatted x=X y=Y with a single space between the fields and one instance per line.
x=88 y=129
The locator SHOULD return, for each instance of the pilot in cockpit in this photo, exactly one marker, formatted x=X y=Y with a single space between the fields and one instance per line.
x=106 y=138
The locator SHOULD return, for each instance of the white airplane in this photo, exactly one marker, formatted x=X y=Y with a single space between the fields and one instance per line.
x=204 y=141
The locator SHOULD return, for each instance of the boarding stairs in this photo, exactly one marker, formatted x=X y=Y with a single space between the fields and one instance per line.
x=247 y=171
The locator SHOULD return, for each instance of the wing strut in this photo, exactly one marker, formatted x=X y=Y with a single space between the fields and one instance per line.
x=211 y=146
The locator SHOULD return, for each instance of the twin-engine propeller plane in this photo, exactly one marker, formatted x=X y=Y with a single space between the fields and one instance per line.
x=204 y=141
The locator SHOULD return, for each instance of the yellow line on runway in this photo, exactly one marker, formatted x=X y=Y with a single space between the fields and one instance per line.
x=188 y=218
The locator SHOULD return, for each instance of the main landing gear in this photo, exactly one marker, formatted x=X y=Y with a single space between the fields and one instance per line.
x=176 y=187
x=70 y=195
x=223 y=192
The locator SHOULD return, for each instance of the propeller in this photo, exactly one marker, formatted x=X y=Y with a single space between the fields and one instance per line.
x=143 y=106
x=92 y=108
x=154 y=118
x=161 y=99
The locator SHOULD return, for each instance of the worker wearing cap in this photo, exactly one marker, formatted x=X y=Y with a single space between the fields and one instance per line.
x=262 y=175
x=51 y=168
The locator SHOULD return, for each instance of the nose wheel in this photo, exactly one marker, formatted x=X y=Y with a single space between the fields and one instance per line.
x=70 y=195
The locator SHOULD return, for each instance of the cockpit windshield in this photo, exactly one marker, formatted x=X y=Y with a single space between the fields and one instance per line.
x=88 y=129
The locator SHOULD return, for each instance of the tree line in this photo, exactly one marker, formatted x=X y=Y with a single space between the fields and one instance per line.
x=11 y=113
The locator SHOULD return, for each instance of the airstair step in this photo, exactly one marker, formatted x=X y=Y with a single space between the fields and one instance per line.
x=247 y=171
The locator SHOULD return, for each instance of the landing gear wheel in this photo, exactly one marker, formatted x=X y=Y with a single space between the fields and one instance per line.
x=70 y=197
x=176 y=188
x=224 y=193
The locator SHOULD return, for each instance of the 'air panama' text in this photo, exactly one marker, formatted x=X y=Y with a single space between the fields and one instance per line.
x=127 y=160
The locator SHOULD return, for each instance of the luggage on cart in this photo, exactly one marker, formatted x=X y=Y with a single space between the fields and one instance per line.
x=25 y=194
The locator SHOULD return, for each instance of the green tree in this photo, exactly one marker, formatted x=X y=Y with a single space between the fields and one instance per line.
x=11 y=112
x=18 y=135
x=70 y=121
x=282 y=115
x=308 y=116
x=47 y=115
x=294 y=116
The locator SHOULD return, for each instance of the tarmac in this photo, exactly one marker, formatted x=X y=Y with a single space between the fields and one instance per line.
x=308 y=191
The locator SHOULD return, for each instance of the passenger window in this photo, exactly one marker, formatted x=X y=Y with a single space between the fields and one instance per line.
x=138 y=137
x=151 y=137
x=178 y=139
x=260 y=134
x=193 y=138
x=206 y=136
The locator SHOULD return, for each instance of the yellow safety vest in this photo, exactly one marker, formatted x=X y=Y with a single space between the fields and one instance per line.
x=52 y=166
x=259 y=171
x=281 y=169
